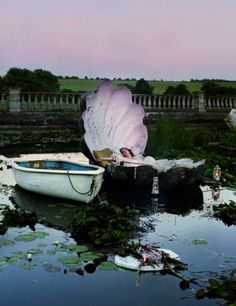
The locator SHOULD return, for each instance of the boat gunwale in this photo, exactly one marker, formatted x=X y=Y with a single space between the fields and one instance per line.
x=98 y=169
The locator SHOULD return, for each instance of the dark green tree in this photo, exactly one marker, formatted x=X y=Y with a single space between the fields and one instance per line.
x=180 y=90
x=143 y=87
x=210 y=88
x=46 y=80
x=27 y=80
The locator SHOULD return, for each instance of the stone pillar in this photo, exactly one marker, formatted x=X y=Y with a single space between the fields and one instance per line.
x=14 y=100
x=201 y=103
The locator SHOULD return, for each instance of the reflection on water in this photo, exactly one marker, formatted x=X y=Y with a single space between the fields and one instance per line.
x=178 y=220
x=52 y=212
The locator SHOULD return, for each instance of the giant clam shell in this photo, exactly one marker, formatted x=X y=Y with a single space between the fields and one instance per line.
x=112 y=120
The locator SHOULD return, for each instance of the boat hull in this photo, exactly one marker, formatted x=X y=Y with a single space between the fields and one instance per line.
x=78 y=185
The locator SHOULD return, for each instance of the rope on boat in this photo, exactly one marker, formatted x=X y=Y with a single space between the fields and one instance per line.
x=90 y=191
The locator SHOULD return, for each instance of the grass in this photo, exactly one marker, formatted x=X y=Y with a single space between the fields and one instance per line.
x=85 y=85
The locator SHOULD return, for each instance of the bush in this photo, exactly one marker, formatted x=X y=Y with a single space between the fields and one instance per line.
x=103 y=224
x=171 y=134
x=180 y=90
x=212 y=89
x=142 y=87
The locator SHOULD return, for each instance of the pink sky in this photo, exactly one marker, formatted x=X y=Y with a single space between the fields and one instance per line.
x=151 y=39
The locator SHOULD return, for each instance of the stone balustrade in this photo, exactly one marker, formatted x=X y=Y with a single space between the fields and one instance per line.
x=50 y=101
x=165 y=103
x=16 y=101
x=219 y=103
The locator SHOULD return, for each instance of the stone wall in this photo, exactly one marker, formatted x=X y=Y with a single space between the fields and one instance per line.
x=27 y=118
x=39 y=127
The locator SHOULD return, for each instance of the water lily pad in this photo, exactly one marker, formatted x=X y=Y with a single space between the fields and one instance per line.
x=31 y=236
x=77 y=248
x=69 y=261
x=90 y=256
x=28 y=266
x=6 y=242
x=199 y=241
x=3 y=261
x=51 y=252
x=108 y=266
x=18 y=254
x=13 y=260
x=51 y=268
x=34 y=252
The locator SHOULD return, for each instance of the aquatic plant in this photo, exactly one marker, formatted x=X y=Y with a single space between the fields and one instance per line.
x=172 y=138
x=226 y=212
x=17 y=218
x=103 y=224
x=219 y=288
x=169 y=134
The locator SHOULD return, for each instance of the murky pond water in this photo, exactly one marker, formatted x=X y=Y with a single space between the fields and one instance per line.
x=204 y=243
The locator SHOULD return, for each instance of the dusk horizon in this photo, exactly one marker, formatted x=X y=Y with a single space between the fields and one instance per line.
x=155 y=40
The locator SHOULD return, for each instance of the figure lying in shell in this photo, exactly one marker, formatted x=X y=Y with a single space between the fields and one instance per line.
x=116 y=137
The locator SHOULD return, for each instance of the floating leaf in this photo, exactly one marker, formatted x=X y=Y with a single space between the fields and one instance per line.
x=18 y=254
x=90 y=256
x=51 y=252
x=13 y=260
x=199 y=241
x=28 y=266
x=69 y=260
x=31 y=236
x=3 y=261
x=51 y=268
x=77 y=248
x=6 y=242
x=214 y=283
x=108 y=266
x=34 y=252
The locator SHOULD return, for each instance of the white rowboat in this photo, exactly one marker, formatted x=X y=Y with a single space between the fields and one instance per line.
x=59 y=178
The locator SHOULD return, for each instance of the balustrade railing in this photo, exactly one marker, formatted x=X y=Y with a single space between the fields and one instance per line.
x=219 y=103
x=16 y=101
x=162 y=102
x=50 y=101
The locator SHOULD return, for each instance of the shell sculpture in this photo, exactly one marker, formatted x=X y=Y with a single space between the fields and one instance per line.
x=111 y=120
x=230 y=118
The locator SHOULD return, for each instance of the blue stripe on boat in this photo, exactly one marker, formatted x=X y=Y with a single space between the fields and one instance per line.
x=55 y=165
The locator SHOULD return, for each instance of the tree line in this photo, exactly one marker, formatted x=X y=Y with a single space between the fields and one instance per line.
x=41 y=80
x=38 y=80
